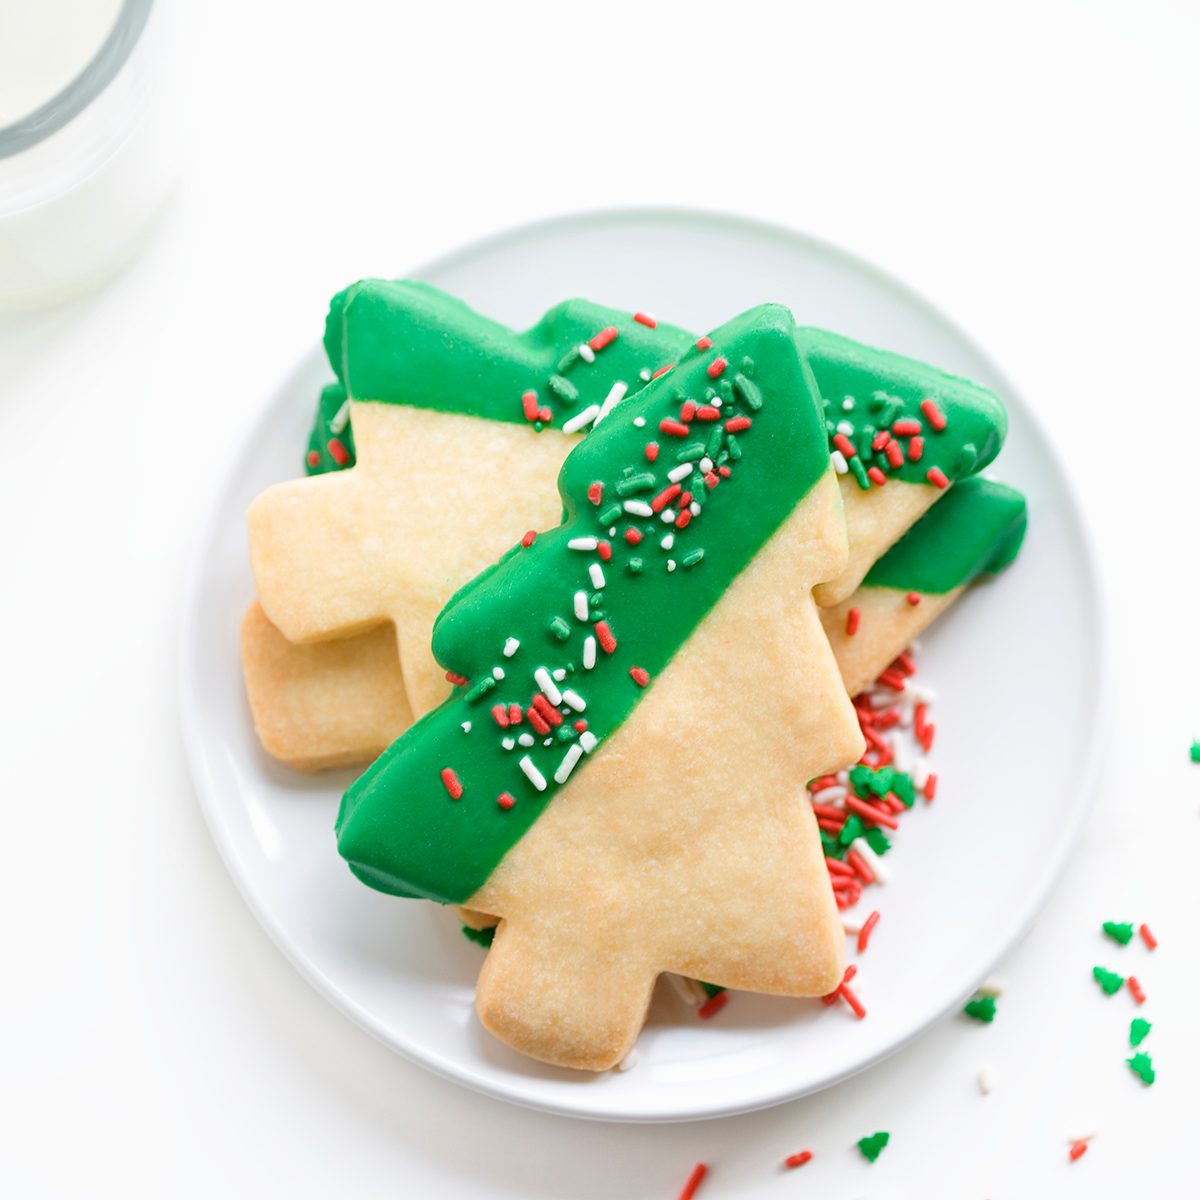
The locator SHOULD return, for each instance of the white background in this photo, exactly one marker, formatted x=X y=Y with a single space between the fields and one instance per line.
x=1031 y=171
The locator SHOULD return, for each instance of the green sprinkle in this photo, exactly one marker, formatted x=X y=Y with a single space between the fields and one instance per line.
x=564 y=389
x=1110 y=981
x=1196 y=750
x=889 y=410
x=866 y=435
x=611 y=514
x=981 y=1008
x=641 y=482
x=565 y=732
x=710 y=989
x=692 y=557
x=1118 y=932
x=691 y=452
x=634 y=566
x=832 y=847
x=748 y=392
x=748 y=366
x=877 y=840
x=483 y=936
x=1142 y=1066
x=965 y=462
x=852 y=829
x=872 y=1147
x=726 y=392
x=714 y=442
x=869 y=781
x=482 y=688
x=876 y=402
x=860 y=473
x=1138 y=1028
x=731 y=444
x=560 y=629
x=568 y=360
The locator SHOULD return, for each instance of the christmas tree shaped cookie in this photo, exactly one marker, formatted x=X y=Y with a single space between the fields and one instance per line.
x=456 y=427
x=645 y=689
x=976 y=530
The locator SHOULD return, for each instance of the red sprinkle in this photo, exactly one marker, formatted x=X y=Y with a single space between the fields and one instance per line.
x=514 y=714
x=530 y=405
x=856 y=1005
x=859 y=864
x=604 y=337
x=662 y=370
x=712 y=1005
x=580 y=726
x=527 y=540
x=798 y=1160
x=639 y=675
x=604 y=636
x=864 y=934
x=852 y=619
x=737 y=424
x=895 y=455
x=645 y=319
x=633 y=536
x=547 y=710
x=673 y=428
x=933 y=414
x=843 y=443
x=545 y=416
x=706 y=412
x=651 y=451
x=724 y=472
x=830 y=812
x=505 y=801
x=930 y=788
x=937 y=477
x=906 y=427
x=837 y=867
x=536 y=720
x=831 y=824
x=927 y=738
x=314 y=458
x=704 y=343
x=1078 y=1150
x=1148 y=937
x=869 y=812
x=450 y=780
x=457 y=680
x=695 y=1179
x=892 y=679
x=665 y=497
x=596 y=492
x=684 y=518
x=711 y=480
x=1135 y=989
x=913 y=598
x=876 y=476
x=338 y=452
x=716 y=367
x=604 y=549
x=881 y=440
x=916 y=447
x=500 y=715
x=688 y=411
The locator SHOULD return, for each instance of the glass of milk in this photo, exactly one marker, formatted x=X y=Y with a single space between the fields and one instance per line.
x=88 y=144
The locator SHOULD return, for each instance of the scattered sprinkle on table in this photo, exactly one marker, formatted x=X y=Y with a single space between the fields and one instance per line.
x=981 y=1008
x=872 y=1147
x=985 y=1080
x=1110 y=981
x=1141 y=1065
x=695 y=1179
x=1121 y=932
x=1138 y=1028
x=1078 y=1150
x=1135 y=989
x=1147 y=937
x=798 y=1160
x=1196 y=750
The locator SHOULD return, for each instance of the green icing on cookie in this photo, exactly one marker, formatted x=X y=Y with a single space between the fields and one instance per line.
x=438 y=811
x=331 y=443
x=976 y=528
x=409 y=343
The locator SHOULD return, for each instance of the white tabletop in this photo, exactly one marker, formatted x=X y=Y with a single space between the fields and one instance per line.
x=1032 y=177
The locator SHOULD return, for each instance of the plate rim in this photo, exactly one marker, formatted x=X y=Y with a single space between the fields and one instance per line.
x=196 y=751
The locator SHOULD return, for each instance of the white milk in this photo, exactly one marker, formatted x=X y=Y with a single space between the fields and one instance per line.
x=44 y=45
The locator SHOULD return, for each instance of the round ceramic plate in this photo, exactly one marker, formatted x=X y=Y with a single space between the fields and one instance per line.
x=1018 y=691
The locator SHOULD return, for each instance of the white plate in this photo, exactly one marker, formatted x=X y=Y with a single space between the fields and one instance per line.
x=1017 y=667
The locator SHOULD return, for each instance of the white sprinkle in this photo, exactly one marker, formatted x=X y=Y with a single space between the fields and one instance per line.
x=526 y=739
x=689 y=992
x=670 y=565
x=848 y=404
x=580 y=419
x=715 y=401
x=695 y=508
x=668 y=516
x=833 y=794
x=901 y=759
x=511 y=646
x=340 y=419
x=616 y=394
x=612 y=531
x=560 y=673
x=644 y=374
x=680 y=472
x=596 y=574
x=706 y=464
x=532 y=773
x=574 y=699
x=853 y=924
x=919 y=692
x=845 y=427
x=882 y=874
x=497 y=673
x=548 y=742
x=466 y=727
x=668 y=541
x=548 y=686
x=589 y=653
x=587 y=353
x=992 y=987
x=843 y=777
x=629 y=1061
x=914 y=647
x=588 y=740
x=638 y=508
x=985 y=1080
x=839 y=462
x=581 y=606
x=639 y=421
x=508 y=743
x=583 y=543
x=573 y=755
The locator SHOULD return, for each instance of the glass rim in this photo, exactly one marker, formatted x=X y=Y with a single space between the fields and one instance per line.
x=68 y=103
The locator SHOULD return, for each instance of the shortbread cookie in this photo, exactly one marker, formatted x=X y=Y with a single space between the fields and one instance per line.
x=976 y=530
x=645 y=689
x=328 y=704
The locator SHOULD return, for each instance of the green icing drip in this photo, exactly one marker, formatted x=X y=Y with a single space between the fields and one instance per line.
x=409 y=343
x=333 y=421
x=398 y=827
x=482 y=937
x=976 y=528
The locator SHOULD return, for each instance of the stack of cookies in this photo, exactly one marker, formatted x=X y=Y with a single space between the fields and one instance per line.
x=592 y=601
